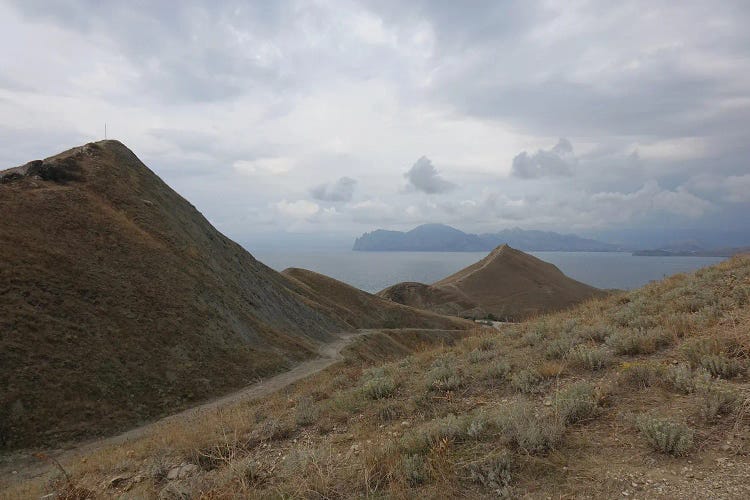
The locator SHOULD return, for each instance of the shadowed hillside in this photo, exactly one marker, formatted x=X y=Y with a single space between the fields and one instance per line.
x=507 y=284
x=119 y=302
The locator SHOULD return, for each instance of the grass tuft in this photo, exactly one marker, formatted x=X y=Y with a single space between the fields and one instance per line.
x=665 y=436
x=413 y=469
x=379 y=387
x=575 y=403
x=443 y=376
x=306 y=411
x=528 y=381
x=721 y=366
x=591 y=358
x=716 y=401
x=634 y=342
x=530 y=431
x=641 y=374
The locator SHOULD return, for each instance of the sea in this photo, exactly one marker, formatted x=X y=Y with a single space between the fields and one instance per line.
x=373 y=271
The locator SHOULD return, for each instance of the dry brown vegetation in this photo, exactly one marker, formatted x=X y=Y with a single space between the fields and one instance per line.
x=119 y=302
x=507 y=284
x=645 y=393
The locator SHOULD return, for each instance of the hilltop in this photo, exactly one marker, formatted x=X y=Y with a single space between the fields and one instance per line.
x=506 y=284
x=442 y=238
x=641 y=394
x=121 y=303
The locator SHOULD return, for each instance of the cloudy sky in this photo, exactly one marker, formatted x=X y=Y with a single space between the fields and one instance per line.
x=338 y=117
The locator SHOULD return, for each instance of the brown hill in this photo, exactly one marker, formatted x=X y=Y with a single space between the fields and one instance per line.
x=364 y=310
x=119 y=302
x=507 y=284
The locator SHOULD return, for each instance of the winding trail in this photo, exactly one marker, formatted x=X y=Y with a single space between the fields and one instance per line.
x=23 y=465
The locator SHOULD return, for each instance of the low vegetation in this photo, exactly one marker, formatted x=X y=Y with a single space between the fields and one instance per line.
x=665 y=436
x=586 y=402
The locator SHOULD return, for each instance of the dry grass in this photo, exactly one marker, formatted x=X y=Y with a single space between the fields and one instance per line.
x=443 y=422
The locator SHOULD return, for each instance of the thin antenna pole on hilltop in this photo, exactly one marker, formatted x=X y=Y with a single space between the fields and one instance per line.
x=105 y=131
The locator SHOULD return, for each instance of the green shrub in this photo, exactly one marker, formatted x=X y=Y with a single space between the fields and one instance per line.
x=443 y=376
x=716 y=401
x=638 y=342
x=486 y=344
x=423 y=438
x=306 y=412
x=379 y=387
x=634 y=314
x=591 y=358
x=538 y=332
x=695 y=349
x=477 y=425
x=598 y=333
x=558 y=348
x=680 y=378
x=391 y=412
x=493 y=472
x=498 y=370
x=641 y=375
x=575 y=403
x=479 y=355
x=665 y=436
x=528 y=381
x=272 y=429
x=529 y=431
x=413 y=467
x=721 y=366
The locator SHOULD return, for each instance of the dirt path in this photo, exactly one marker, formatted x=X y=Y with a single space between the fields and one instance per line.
x=23 y=465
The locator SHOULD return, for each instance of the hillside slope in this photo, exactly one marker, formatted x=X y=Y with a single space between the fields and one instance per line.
x=644 y=394
x=119 y=302
x=507 y=283
x=364 y=310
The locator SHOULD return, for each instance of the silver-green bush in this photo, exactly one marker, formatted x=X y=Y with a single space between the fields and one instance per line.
x=591 y=358
x=721 y=366
x=529 y=431
x=576 y=402
x=497 y=370
x=665 y=436
x=443 y=376
x=306 y=412
x=379 y=387
x=528 y=381
x=413 y=467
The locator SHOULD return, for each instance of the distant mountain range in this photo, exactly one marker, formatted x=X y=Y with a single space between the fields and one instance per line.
x=442 y=238
x=691 y=250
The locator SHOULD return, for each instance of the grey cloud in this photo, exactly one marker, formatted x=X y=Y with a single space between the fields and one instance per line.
x=597 y=77
x=553 y=162
x=423 y=176
x=197 y=52
x=220 y=79
x=341 y=190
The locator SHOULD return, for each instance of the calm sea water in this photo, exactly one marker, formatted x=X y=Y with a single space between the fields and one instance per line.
x=373 y=271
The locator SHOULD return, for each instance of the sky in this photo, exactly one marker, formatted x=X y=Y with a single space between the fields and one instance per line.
x=332 y=118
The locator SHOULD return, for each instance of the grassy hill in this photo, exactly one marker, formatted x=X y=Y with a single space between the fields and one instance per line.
x=639 y=394
x=119 y=302
x=506 y=284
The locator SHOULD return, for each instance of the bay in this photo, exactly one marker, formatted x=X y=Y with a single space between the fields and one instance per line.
x=373 y=271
